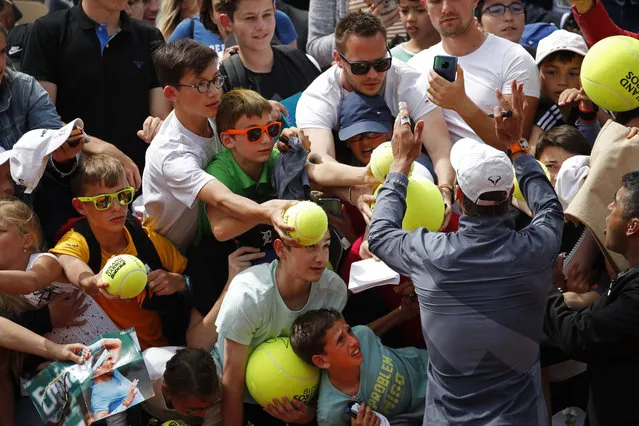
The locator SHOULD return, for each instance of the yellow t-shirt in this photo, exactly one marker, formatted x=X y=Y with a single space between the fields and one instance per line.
x=128 y=313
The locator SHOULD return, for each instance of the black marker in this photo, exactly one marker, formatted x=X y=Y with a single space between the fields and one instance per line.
x=503 y=114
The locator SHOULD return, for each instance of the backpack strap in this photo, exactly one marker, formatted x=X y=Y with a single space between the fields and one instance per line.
x=192 y=28
x=298 y=59
x=95 y=253
x=143 y=244
x=234 y=72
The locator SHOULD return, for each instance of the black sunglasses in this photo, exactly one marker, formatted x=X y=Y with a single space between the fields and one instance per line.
x=362 y=67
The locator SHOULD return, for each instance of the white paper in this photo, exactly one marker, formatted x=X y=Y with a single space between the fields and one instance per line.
x=369 y=273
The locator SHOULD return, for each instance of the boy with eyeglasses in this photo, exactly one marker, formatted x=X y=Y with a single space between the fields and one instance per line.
x=102 y=195
x=174 y=178
x=503 y=18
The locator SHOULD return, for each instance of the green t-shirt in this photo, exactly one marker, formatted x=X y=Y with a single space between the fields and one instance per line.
x=392 y=382
x=225 y=169
x=401 y=53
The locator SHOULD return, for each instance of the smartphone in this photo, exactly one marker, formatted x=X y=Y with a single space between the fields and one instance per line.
x=331 y=205
x=390 y=5
x=446 y=66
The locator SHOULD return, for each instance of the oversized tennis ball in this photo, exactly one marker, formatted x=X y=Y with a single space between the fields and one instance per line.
x=126 y=276
x=273 y=370
x=517 y=192
x=309 y=220
x=610 y=73
x=424 y=205
x=381 y=160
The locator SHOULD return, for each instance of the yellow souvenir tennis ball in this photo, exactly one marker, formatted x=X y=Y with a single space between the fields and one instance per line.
x=517 y=192
x=610 y=73
x=381 y=160
x=273 y=370
x=126 y=276
x=424 y=205
x=309 y=220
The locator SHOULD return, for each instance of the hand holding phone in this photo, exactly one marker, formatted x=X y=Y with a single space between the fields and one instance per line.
x=446 y=66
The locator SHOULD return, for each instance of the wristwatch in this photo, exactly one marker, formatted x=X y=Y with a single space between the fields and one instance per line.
x=520 y=146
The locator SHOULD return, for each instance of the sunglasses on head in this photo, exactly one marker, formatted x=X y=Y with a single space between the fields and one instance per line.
x=254 y=134
x=362 y=67
x=103 y=201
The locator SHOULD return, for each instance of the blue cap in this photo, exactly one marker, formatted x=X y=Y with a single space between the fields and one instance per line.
x=361 y=113
x=533 y=33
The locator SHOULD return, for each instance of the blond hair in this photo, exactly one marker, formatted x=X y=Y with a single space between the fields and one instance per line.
x=18 y=215
x=237 y=103
x=169 y=17
x=95 y=170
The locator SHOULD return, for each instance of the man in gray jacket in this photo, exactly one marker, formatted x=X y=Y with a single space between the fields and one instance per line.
x=482 y=290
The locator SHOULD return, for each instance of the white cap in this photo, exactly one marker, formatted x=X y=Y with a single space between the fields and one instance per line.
x=480 y=169
x=30 y=154
x=4 y=155
x=560 y=40
x=571 y=176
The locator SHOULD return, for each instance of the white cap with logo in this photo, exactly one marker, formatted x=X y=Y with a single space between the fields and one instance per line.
x=30 y=154
x=560 y=40
x=480 y=169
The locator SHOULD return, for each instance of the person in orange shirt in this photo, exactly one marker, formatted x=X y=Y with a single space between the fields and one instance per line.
x=102 y=196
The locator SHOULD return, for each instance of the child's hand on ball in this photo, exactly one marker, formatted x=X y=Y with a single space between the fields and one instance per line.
x=97 y=283
x=570 y=96
x=291 y=411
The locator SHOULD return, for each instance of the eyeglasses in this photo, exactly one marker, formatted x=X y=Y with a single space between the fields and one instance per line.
x=254 y=134
x=103 y=201
x=204 y=85
x=365 y=135
x=362 y=67
x=499 y=9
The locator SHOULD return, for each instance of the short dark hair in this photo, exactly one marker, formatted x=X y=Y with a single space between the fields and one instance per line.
x=308 y=332
x=566 y=137
x=630 y=181
x=191 y=371
x=357 y=23
x=229 y=7
x=563 y=56
x=176 y=58
x=471 y=209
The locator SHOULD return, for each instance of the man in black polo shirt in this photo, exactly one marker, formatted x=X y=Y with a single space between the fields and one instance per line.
x=95 y=63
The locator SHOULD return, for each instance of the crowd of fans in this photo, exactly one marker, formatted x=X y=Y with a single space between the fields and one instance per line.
x=181 y=131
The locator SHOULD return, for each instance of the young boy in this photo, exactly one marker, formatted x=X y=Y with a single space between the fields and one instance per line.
x=275 y=72
x=357 y=367
x=102 y=194
x=174 y=178
x=559 y=57
x=420 y=30
x=262 y=302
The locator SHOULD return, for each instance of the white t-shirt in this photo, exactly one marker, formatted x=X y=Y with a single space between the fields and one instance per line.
x=173 y=176
x=494 y=65
x=97 y=321
x=253 y=310
x=319 y=105
x=155 y=360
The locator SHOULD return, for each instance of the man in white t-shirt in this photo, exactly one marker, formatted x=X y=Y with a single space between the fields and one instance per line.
x=174 y=178
x=261 y=303
x=486 y=63
x=186 y=382
x=363 y=64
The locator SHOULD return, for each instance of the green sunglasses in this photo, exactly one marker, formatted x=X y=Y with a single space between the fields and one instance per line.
x=103 y=201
